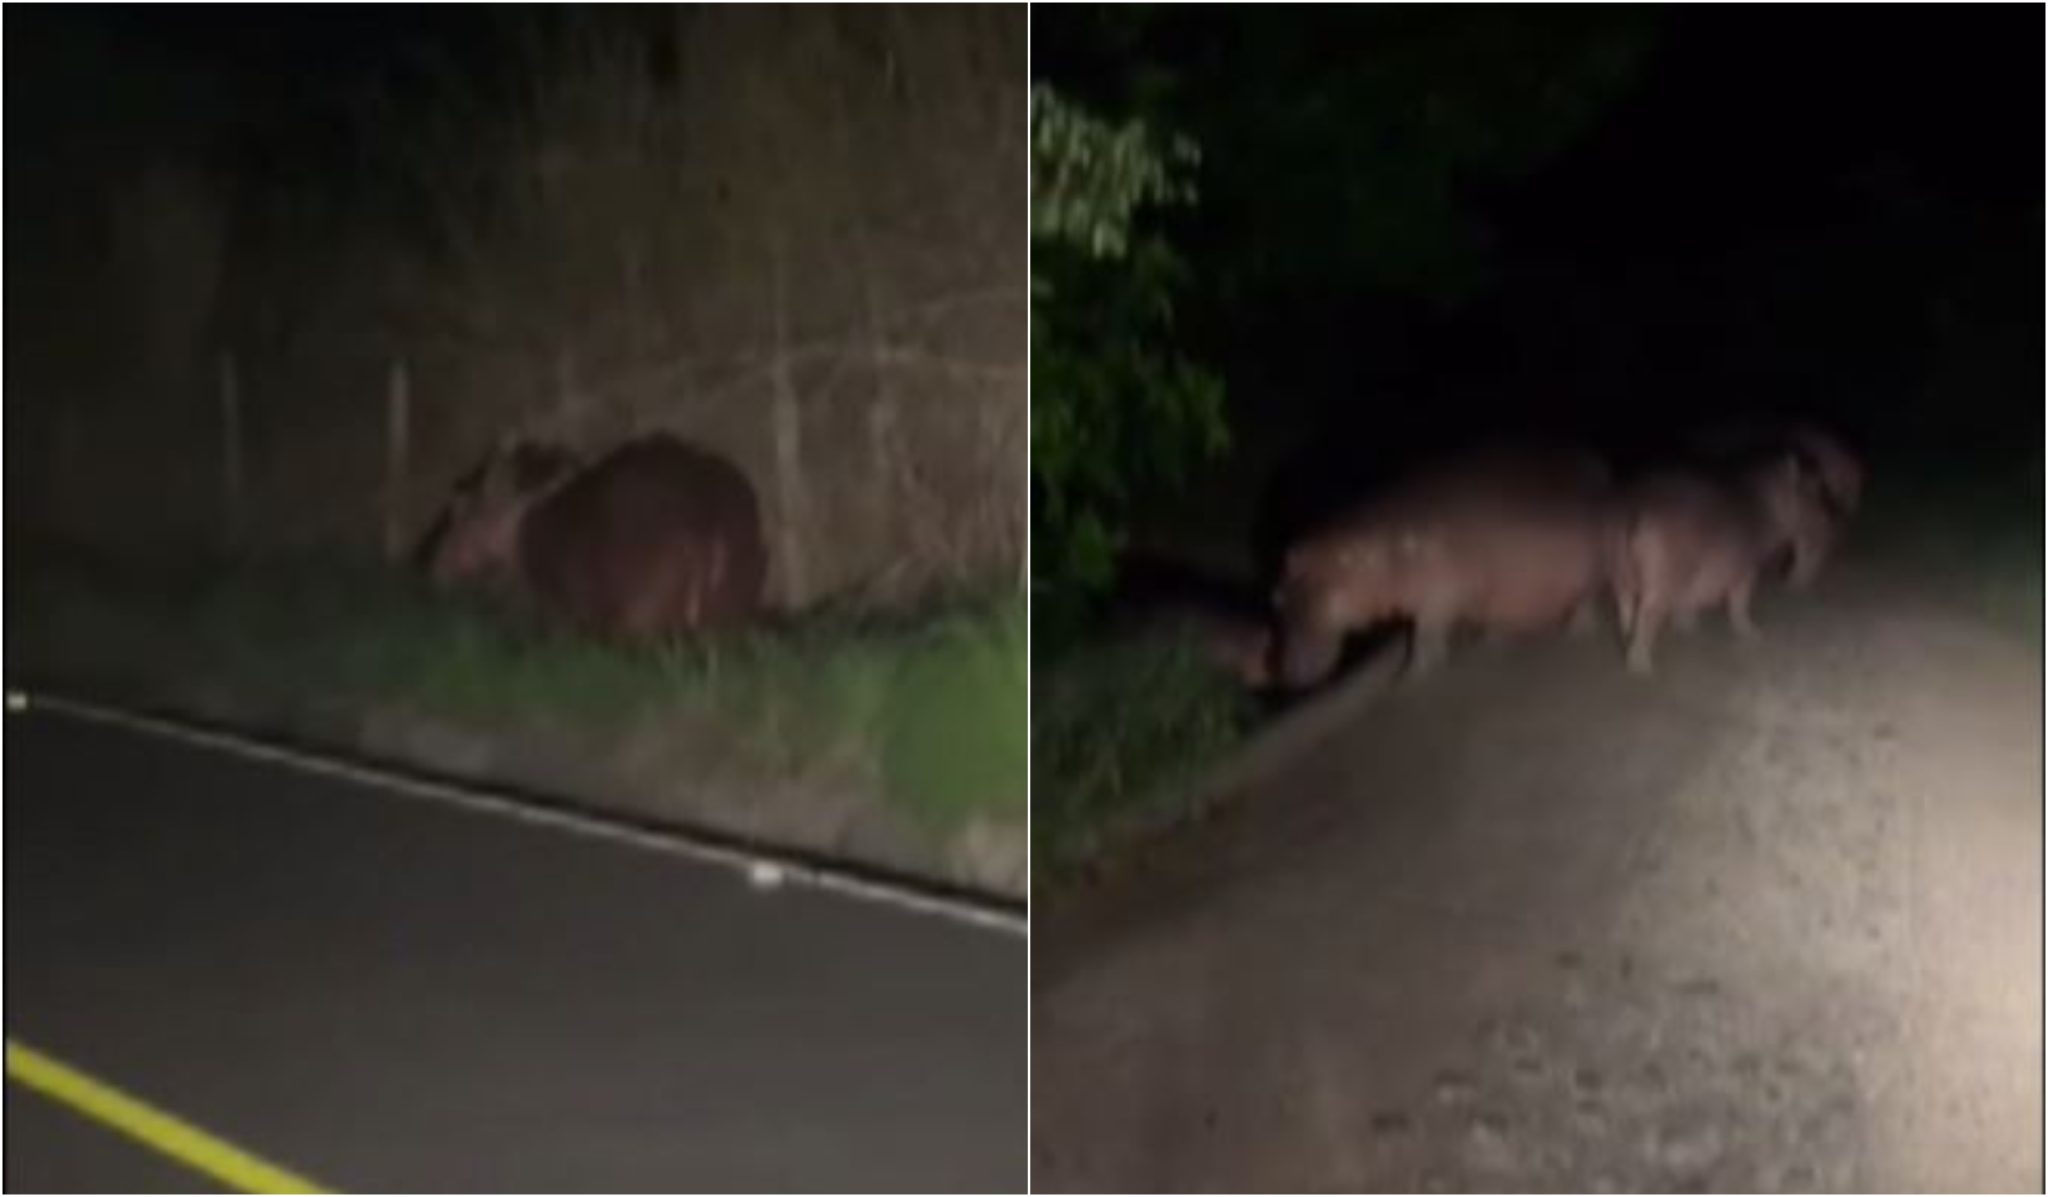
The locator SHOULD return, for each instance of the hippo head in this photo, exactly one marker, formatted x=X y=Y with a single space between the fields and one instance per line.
x=1350 y=577
x=1334 y=583
x=1797 y=504
x=1839 y=472
x=478 y=533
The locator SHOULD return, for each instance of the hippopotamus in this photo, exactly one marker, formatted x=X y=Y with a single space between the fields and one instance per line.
x=1686 y=539
x=655 y=537
x=1509 y=538
x=1834 y=472
x=1837 y=475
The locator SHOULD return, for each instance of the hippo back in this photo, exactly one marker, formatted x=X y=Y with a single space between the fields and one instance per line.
x=1507 y=536
x=656 y=537
x=1731 y=445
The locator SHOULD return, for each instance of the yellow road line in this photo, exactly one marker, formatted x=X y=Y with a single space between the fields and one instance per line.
x=175 y=1138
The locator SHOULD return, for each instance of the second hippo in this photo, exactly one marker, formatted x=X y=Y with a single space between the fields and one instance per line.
x=1685 y=540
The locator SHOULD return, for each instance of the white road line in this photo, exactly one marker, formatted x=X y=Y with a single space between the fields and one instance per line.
x=763 y=870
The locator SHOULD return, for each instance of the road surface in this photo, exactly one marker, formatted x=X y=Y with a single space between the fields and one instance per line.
x=381 y=993
x=1769 y=920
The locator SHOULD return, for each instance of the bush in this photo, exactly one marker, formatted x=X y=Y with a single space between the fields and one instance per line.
x=934 y=704
x=1115 y=410
x=1118 y=732
x=954 y=734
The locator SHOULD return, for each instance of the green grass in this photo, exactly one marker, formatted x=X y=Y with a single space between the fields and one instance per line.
x=930 y=705
x=1119 y=731
x=955 y=728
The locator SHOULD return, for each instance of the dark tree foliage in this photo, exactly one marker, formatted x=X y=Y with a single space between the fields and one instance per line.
x=1353 y=141
x=1618 y=218
x=1115 y=409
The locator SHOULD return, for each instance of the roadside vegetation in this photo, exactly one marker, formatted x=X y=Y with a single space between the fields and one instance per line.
x=928 y=705
x=1976 y=536
x=1119 y=734
x=1118 y=726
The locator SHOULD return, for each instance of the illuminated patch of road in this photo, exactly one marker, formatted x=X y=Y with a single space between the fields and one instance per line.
x=153 y=1128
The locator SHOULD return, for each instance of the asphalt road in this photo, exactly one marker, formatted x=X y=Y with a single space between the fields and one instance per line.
x=381 y=993
x=74 y=1154
x=1769 y=920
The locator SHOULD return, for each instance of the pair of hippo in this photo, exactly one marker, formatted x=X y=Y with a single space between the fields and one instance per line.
x=1516 y=539
x=654 y=538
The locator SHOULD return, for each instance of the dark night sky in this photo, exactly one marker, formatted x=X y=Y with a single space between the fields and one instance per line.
x=1766 y=217
x=253 y=86
x=1757 y=124
x=282 y=53
x=1852 y=162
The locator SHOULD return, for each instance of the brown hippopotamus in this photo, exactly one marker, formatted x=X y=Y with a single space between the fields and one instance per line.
x=1689 y=539
x=1834 y=471
x=1509 y=538
x=654 y=537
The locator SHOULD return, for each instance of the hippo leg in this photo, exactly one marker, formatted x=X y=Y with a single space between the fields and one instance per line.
x=1642 y=641
x=640 y=613
x=1738 y=609
x=1808 y=555
x=693 y=606
x=1585 y=619
x=1428 y=643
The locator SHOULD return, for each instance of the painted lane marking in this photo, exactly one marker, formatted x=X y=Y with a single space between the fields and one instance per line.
x=764 y=871
x=151 y=1127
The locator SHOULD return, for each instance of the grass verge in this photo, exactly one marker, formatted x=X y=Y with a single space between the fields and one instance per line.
x=1119 y=731
x=927 y=707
